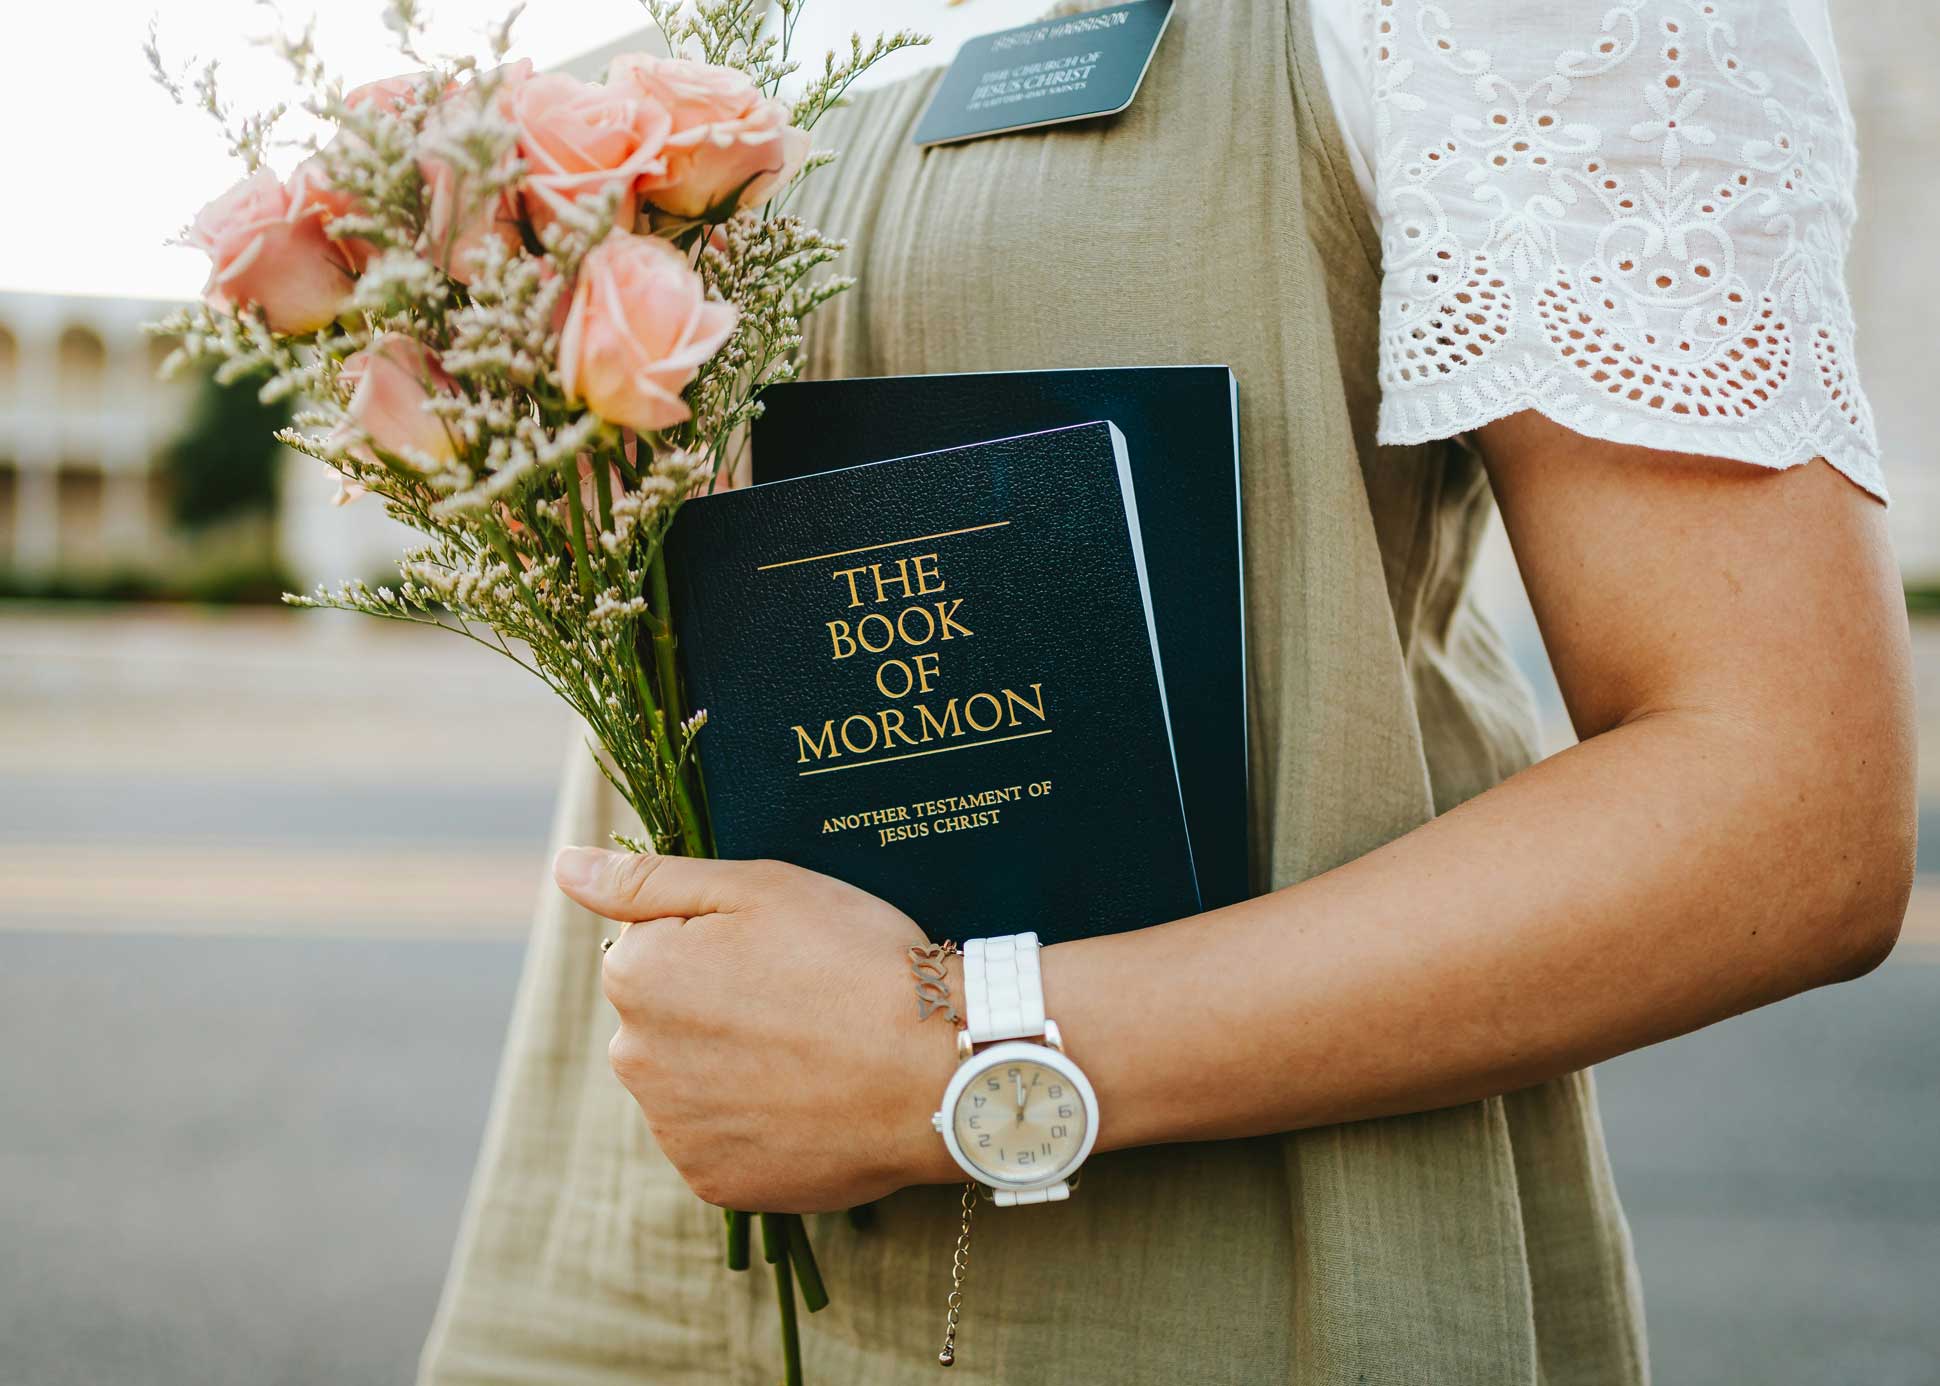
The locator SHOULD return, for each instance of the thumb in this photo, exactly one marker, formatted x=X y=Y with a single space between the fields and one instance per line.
x=632 y=886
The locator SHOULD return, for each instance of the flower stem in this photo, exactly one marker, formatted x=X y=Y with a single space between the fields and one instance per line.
x=808 y=1275
x=791 y=1336
x=738 y=1226
x=667 y=675
x=582 y=564
x=603 y=493
x=661 y=601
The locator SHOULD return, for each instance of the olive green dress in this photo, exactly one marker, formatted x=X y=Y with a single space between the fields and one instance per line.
x=1215 y=221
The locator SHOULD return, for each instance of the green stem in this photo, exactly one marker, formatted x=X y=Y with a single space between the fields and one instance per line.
x=693 y=834
x=791 y=1333
x=603 y=494
x=774 y=1238
x=582 y=564
x=815 y=1295
x=738 y=1226
x=502 y=547
x=659 y=600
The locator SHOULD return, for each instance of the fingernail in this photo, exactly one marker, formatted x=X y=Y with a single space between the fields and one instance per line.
x=578 y=868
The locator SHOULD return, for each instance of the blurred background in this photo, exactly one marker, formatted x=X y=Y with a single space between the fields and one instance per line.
x=265 y=875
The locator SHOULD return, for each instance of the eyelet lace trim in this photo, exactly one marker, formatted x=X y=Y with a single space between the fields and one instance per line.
x=1633 y=219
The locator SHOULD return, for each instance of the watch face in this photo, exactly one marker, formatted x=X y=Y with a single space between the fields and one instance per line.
x=1020 y=1121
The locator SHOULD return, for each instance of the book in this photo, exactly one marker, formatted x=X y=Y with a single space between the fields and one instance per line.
x=937 y=677
x=1181 y=425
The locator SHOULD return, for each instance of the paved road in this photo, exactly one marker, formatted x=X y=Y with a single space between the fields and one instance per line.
x=257 y=948
x=240 y=1161
x=235 y=1161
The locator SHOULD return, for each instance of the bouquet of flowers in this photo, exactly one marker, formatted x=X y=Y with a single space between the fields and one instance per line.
x=532 y=315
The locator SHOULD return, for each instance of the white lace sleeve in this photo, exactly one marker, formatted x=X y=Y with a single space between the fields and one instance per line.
x=1630 y=215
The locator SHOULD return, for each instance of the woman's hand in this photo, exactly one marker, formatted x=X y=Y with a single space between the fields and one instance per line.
x=768 y=1028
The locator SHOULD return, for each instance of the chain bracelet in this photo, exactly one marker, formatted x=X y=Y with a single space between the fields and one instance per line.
x=933 y=979
x=959 y=1262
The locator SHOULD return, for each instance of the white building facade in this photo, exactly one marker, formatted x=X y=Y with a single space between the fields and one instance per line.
x=83 y=419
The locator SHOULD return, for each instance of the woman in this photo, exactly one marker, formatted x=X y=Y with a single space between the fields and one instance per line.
x=1585 y=260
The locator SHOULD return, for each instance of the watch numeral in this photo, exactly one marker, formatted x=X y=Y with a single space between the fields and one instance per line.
x=977 y=1099
x=1046 y=1147
x=983 y=1141
x=1026 y=1157
x=1065 y=1111
x=1058 y=1133
x=993 y=1084
x=1055 y=1090
x=1012 y=1073
x=972 y=1122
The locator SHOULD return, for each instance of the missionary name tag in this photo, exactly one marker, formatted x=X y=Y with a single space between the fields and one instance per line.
x=1073 y=67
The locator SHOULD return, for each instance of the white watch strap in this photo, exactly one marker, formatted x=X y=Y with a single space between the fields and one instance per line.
x=1016 y=1198
x=1003 y=990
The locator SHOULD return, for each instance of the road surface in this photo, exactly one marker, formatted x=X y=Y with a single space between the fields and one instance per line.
x=263 y=887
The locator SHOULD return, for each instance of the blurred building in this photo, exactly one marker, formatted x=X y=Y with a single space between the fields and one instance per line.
x=82 y=420
x=85 y=420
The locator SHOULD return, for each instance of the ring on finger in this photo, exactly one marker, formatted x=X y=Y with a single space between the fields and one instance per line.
x=606 y=944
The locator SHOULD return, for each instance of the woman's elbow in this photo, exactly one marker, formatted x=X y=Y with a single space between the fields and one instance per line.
x=1871 y=870
x=1882 y=886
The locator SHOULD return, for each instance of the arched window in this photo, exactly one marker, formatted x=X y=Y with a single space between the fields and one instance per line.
x=79 y=490
x=81 y=361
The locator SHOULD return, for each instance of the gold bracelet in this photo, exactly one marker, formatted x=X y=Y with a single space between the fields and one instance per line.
x=933 y=994
x=933 y=980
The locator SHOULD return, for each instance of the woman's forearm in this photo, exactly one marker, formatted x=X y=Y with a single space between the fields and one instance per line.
x=1666 y=874
x=1736 y=826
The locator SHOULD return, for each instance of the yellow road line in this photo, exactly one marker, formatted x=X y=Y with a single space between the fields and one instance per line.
x=195 y=889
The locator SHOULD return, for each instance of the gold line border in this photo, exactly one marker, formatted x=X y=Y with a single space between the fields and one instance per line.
x=912 y=755
x=866 y=548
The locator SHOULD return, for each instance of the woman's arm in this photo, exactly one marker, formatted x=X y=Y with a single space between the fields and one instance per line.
x=1735 y=826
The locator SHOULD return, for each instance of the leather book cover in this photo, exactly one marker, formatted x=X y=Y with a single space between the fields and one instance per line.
x=937 y=677
x=1181 y=427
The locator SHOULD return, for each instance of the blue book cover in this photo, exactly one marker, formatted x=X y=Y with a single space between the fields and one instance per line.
x=938 y=677
x=1181 y=427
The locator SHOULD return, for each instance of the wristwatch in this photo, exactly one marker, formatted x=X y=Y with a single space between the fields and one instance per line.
x=1018 y=1115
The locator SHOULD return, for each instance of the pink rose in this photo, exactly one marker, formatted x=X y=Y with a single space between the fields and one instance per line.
x=312 y=192
x=267 y=250
x=310 y=184
x=692 y=93
x=639 y=329
x=459 y=217
x=390 y=94
x=746 y=160
x=391 y=381
x=579 y=139
x=728 y=140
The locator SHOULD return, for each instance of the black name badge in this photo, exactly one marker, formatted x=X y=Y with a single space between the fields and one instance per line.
x=1073 y=67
